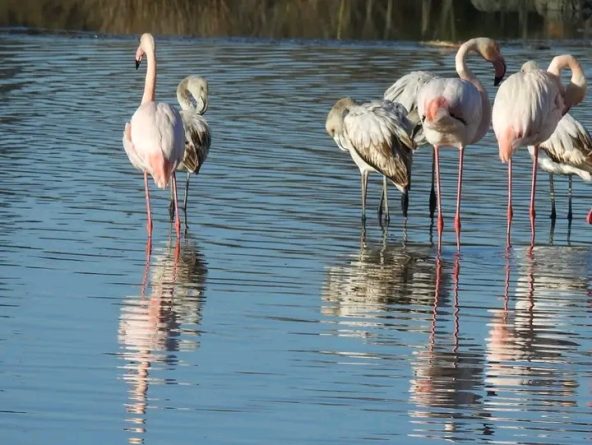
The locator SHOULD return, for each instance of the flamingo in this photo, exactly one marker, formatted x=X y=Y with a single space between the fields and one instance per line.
x=154 y=140
x=404 y=91
x=377 y=136
x=192 y=94
x=567 y=152
x=526 y=111
x=456 y=112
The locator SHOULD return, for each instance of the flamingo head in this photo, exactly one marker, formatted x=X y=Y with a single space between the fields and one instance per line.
x=490 y=50
x=194 y=90
x=334 y=122
x=146 y=45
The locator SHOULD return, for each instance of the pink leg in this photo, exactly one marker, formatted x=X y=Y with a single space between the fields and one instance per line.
x=440 y=223
x=149 y=223
x=177 y=221
x=461 y=156
x=535 y=164
x=510 y=212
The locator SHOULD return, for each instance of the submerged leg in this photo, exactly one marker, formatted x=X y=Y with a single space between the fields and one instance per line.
x=432 y=190
x=461 y=155
x=535 y=164
x=148 y=212
x=569 y=195
x=177 y=221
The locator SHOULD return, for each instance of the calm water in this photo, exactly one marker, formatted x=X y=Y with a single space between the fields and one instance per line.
x=276 y=319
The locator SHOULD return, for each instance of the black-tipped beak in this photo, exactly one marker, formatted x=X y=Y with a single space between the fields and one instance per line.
x=137 y=64
x=498 y=78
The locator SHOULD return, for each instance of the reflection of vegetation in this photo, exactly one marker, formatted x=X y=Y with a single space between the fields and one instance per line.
x=345 y=19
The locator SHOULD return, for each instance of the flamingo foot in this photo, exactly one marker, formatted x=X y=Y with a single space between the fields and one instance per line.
x=589 y=218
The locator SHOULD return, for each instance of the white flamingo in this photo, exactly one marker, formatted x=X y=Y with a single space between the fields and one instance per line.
x=154 y=140
x=192 y=94
x=377 y=136
x=526 y=111
x=456 y=112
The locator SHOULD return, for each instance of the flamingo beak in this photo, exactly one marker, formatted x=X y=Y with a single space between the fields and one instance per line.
x=138 y=63
x=500 y=71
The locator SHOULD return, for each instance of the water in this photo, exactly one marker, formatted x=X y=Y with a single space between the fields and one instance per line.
x=277 y=319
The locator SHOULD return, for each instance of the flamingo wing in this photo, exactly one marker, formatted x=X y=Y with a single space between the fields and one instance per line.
x=451 y=107
x=570 y=144
x=405 y=91
x=380 y=136
x=197 y=141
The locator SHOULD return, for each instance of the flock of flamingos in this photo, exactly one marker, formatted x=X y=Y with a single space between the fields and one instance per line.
x=530 y=109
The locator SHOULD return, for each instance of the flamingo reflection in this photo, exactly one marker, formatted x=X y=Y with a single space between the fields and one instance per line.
x=527 y=346
x=446 y=376
x=374 y=280
x=154 y=328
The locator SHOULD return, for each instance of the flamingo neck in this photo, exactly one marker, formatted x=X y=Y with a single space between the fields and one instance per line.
x=462 y=69
x=576 y=89
x=150 y=82
x=465 y=73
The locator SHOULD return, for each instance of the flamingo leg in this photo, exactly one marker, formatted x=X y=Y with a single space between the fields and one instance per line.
x=177 y=221
x=148 y=212
x=552 y=195
x=440 y=224
x=433 y=191
x=535 y=164
x=172 y=206
x=569 y=195
x=185 y=198
x=457 y=224
x=384 y=201
x=405 y=202
x=364 y=183
x=510 y=212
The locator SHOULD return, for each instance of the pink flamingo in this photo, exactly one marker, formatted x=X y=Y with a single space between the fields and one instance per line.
x=457 y=112
x=155 y=139
x=526 y=111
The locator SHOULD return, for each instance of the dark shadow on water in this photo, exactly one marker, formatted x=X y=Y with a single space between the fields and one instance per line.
x=162 y=322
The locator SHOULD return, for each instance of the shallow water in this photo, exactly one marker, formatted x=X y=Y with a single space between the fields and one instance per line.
x=277 y=319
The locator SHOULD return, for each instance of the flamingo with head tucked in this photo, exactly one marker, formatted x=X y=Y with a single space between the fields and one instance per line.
x=526 y=111
x=154 y=140
x=377 y=136
x=568 y=151
x=192 y=94
x=456 y=112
